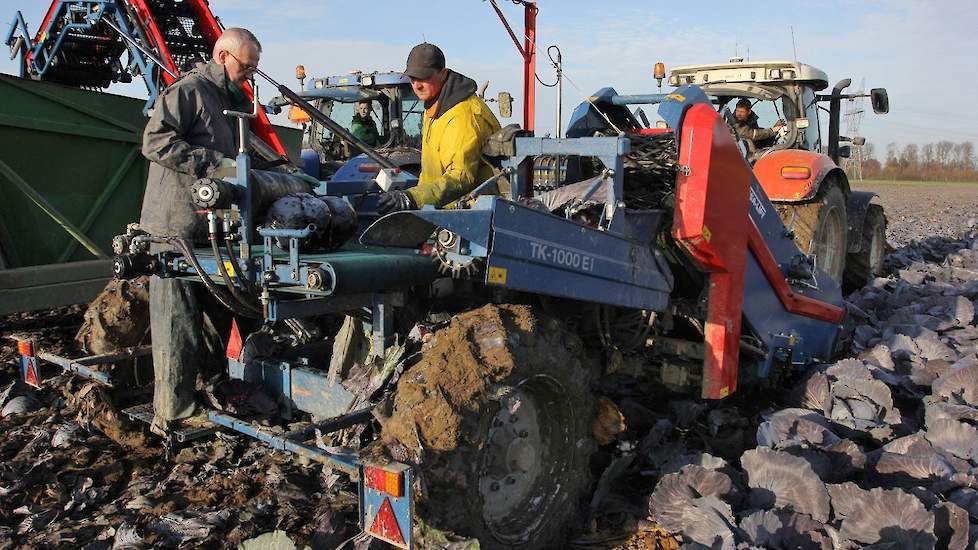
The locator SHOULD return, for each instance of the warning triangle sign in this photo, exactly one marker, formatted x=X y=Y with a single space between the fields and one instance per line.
x=385 y=524
x=234 y=342
x=30 y=376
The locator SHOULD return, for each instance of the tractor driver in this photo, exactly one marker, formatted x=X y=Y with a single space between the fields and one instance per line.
x=187 y=138
x=457 y=123
x=746 y=127
x=363 y=126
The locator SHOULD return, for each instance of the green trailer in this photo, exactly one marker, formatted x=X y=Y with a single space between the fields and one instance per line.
x=71 y=178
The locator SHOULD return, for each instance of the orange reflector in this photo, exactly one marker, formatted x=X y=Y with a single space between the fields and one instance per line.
x=298 y=116
x=389 y=483
x=796 y=172
x=385 y=524
x=25 y=348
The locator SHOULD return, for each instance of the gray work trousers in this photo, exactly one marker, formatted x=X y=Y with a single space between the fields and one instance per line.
x=179 y=350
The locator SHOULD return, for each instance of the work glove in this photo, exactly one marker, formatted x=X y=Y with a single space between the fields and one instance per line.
x=228 y=168
x=395 y=201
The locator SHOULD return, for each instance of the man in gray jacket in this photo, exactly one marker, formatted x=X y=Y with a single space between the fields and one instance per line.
x=188 y=138
x=745 y=125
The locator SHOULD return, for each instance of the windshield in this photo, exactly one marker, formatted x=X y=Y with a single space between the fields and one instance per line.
x=412 y=109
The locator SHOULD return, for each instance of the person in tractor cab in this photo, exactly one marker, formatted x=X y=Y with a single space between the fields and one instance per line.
x=363 y=125
x=746 y=127
x=187 y=138
x=456 y=125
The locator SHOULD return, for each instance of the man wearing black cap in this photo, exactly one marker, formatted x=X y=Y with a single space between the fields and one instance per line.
x=457 y=124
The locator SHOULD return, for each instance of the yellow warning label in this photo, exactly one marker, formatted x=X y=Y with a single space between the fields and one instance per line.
x=497 y=276
x=707 y=234
x=676 y=97
x=724 y=391
x=230 y=267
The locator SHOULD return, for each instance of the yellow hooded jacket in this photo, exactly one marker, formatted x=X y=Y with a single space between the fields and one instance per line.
x=451 y=151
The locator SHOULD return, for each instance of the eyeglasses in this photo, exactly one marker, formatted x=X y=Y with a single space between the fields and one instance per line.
x=246 y=67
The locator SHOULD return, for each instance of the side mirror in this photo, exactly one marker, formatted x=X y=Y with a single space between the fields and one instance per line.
x=505 y=104
x=880 y=101
x=858 y=141
x=845 y=152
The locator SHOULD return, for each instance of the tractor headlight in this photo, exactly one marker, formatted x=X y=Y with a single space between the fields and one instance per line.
x=774 y=74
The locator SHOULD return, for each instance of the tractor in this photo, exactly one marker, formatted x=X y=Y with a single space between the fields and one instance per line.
x=393 y=105
x=841 y=229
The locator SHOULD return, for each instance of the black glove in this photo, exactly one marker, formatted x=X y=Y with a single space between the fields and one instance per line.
x=395 y=201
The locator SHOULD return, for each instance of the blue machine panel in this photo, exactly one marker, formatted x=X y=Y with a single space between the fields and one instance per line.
x=538 y=252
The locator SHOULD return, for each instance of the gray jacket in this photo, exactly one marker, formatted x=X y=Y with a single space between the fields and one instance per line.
x=751 y=131
x=185 y=140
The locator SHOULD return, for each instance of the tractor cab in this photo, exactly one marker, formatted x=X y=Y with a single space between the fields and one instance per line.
x=785 y=91
x=394 y=108
x=777 y=90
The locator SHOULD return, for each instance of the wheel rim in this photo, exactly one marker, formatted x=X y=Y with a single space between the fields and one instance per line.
x=528 y=450
x=830 y=246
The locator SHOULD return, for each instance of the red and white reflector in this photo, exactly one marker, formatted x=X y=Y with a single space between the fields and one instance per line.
x=30 y=376
x=385 y=525
x=389 y=483
x=796 y=172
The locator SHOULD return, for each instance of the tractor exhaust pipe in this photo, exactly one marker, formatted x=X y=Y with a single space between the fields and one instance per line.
x=835 y=111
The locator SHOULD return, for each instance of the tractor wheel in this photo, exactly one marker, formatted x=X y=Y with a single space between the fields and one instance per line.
x=868 y=262
x=819 y=227
x=497 y=415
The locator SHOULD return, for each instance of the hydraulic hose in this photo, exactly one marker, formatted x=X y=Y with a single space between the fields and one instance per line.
x=245 y=282
x=333 y=126
x=232 y=288
x=221 y=296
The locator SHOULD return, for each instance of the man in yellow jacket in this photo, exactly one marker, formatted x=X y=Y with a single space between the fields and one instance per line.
x=457 y=124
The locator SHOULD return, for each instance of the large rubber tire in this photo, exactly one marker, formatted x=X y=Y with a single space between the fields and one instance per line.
x=819 y=227
x=497 y=415
x=868 y=262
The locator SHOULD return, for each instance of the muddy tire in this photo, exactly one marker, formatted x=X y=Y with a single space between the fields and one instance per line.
x=497 y=415
x=820 y=228
x=868 y=262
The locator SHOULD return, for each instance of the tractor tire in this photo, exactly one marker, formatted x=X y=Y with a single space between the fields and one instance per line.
x=496 y=416
x=819 y=228
x=868 y=262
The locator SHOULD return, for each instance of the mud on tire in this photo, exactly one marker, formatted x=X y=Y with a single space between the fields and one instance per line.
x=497 y=415
x=819 y=227
x=868 y=262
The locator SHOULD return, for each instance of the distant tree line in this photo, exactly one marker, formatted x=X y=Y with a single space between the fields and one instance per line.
x=939 y=161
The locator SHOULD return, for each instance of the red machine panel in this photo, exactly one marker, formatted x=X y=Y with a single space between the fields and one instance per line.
x=711 y=223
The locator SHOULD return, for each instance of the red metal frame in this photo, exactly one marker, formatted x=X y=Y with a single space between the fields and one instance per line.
x=528 y=51
x=708 y=199
x=793 y=303
x=209 y=27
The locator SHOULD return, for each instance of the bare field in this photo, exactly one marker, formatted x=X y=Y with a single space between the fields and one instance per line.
x=917 y=209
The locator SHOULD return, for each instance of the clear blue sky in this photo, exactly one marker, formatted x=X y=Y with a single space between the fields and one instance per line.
x=922 y=52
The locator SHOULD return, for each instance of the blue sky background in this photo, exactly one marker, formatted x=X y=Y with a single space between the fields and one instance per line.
x=924 y=53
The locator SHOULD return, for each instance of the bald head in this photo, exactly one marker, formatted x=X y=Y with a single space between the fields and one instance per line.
x=239 y=51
